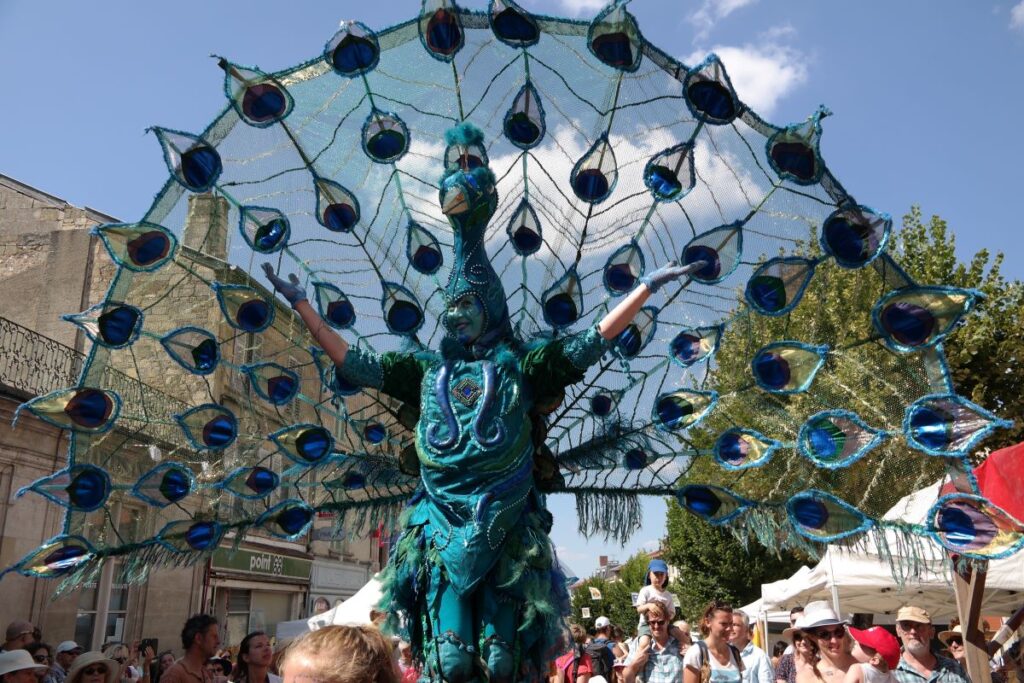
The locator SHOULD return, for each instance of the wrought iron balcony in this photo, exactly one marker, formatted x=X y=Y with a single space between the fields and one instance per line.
x=32 y=364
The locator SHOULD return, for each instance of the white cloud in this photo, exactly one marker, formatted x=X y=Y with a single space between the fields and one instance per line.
x=1017 y=16
x=582 y=7
x=711 y=12
x=764 y=72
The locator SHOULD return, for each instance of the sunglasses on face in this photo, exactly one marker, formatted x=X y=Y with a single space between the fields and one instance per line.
x=828 y=633
x=655 y=622
x=959 y=642
x=798 y=639
x=41 y=658
x=95 y=671
x=911 y=625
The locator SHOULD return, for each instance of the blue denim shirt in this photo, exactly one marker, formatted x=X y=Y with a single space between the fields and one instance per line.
x=945 y=671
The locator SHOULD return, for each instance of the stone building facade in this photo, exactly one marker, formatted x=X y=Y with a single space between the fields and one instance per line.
x=50 y=265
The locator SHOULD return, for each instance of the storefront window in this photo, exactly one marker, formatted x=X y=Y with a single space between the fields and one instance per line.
x=237 y=621
x=103 y=605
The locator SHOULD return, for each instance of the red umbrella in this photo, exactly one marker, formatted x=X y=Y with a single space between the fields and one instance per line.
x=1000 y=478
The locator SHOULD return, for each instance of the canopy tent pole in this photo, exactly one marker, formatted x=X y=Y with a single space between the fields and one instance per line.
x=969 y=585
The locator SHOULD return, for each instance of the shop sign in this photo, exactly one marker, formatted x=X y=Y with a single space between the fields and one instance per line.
x=262 y=564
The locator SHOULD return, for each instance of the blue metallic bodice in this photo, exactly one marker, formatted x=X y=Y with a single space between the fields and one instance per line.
x=476 y=462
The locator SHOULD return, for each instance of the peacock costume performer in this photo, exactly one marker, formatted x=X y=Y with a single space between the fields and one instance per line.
x=471 y=345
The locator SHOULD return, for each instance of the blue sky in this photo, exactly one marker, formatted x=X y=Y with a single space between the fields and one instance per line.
x=927 y=98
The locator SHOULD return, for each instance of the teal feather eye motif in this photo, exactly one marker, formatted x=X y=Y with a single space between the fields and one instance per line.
x=334 y=307
x=260 y=100
x=971 y=526
x=251 y=482
x=353 y=51
x=820 y=516
x=140 y=247
x=187 y=536
x=720 y=249
x=244 y=308
x=79 y=487
x=837 y=438
x=112 y=324
x=192 y=161
x=85 y=410
x=265 y=230
x=682 y=409
x=709 y=92
x=777 y=286
x=794 y=152
x=787 y=367
x=306 y=444
x=948 y=425
x=614 y=38
x=670 y=174
x=288 y=519
x=855 y=236
x=209 y=426
x=57 y=557
x=192 y=348
x=165 y=484
x=624 y=269
x=272 y=382
x=914 y=318
x=693 y=346
x=740 y=449
x=712 y=503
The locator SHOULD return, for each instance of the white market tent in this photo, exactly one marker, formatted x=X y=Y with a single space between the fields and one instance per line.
x=862 y=581
x=353 y=612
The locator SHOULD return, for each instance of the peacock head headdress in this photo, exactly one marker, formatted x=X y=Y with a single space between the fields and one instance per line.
x=476 y=313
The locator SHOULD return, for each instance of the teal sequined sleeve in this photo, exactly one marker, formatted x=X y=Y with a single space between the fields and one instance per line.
x=396 y=374
x=564 y=361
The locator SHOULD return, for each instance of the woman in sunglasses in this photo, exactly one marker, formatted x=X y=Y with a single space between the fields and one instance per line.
x=93 y=667
x=821 y=624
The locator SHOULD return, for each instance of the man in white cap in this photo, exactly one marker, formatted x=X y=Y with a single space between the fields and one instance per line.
x=63 y=658
x=918 y=663
x=17 y=666
x=601 y=648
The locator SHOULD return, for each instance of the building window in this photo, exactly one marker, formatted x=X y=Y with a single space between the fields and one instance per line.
x=103 y=605
x=237 y=620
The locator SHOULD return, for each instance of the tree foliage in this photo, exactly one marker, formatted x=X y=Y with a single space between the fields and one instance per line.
x=616 y=596
x=982 y=355
x=714 y=565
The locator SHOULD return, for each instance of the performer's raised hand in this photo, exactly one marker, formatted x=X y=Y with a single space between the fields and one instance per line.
x=670 y=272
x=290 y=290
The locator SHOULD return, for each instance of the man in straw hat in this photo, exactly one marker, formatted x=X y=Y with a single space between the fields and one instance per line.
x=918 y=663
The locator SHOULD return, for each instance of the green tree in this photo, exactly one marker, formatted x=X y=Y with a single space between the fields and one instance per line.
x=862 y=373
x=983 y=355
x=714 y=565
x=616 y=601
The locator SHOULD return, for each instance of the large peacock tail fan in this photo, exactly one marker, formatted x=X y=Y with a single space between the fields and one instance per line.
x=611 y=159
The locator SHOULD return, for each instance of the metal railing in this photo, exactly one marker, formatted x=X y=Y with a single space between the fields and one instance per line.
x=33 y=364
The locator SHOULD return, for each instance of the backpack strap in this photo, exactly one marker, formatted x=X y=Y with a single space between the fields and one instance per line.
x=736 y=657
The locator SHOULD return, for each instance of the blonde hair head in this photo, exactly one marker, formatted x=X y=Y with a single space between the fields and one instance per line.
x=341 y=654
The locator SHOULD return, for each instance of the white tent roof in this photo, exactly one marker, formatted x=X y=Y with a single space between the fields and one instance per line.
x=865 y=583
x=354 y=611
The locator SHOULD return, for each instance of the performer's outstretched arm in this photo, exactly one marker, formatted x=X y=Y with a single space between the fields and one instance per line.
x=612 y=325
x=330 y=341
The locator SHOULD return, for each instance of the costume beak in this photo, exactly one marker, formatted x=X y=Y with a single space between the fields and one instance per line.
x=454 y=202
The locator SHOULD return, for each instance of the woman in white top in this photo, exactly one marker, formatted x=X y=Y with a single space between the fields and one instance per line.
x=722 y=658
